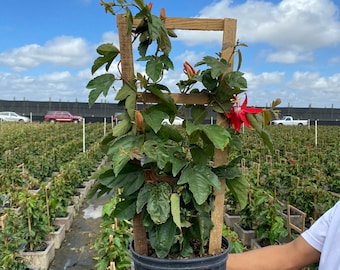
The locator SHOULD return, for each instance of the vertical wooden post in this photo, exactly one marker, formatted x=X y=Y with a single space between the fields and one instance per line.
x=125 y=47
x=139 y=234
x=228 y=42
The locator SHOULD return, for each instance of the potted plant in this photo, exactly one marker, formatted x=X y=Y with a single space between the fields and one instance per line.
x=269 y=224
x=168 y=175
x=38 y=251
x=245 y=227
x=11 y=242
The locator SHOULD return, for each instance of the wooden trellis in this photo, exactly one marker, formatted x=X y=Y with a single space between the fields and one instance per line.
x=292 y=226
x=228 y=27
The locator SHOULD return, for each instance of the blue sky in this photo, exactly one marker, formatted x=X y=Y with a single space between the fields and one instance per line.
x=47 y=47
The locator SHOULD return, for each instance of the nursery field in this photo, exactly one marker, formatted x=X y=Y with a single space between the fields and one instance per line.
x=43 y=168
x=304 y=169
x=301 y=180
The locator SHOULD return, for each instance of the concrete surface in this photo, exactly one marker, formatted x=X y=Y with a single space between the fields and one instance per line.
x=77 y=251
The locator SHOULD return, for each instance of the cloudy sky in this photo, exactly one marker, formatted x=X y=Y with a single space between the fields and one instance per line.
x=47 y=47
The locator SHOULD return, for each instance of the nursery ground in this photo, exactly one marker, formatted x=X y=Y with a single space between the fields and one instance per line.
x=77 y=251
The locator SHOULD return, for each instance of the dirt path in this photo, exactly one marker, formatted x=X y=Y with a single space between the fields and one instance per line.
x=77 y=251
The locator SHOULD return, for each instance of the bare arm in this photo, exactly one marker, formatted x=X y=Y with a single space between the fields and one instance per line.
x=291 y=256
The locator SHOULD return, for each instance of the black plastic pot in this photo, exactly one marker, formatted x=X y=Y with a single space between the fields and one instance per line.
x=217 y=262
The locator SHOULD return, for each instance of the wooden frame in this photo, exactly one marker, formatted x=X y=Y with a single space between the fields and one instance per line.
x=228 y=26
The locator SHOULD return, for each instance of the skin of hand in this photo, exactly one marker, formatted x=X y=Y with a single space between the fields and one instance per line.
x=291 y=256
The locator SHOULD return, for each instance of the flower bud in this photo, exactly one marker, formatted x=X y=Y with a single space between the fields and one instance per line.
x=189 y=70
x=139 y=121
x=150 y=6
x=162 y=16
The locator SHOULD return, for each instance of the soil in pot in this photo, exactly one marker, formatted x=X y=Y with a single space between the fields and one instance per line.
x=217 y=262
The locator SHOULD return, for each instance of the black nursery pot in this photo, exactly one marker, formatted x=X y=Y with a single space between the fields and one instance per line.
x=217 y=262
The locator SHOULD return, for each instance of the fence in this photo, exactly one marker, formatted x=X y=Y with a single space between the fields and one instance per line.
x=325 y=116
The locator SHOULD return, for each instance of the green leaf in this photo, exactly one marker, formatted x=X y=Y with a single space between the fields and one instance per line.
x=143 y=46
x=267 y=140
x=156 y=151
x=155 y=25
x=164 y=41
x=239 y=188
x=121 y=128
x=126 y=90
x=158 y=205
x=130 y=104
x=154 y=69
x=218 y=66
x=109 y=52
x=262 y=132
x=218 y=135
x=199 y=155
x=131 y=178
x=166 y=61
x=99 y=85
x=154 y=119
x=201 y=180
x=170 y=132
x=164 y=97
x=122 y=149
x=163 y=237
x=235 y=79
x=143 y=197
x=198 y=113
x=208 y=81
x=125 y=209
x=175 y=209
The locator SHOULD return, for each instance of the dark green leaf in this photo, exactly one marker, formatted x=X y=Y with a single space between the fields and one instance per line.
x=122 y=149
x=201 y=180
x=199 y=156
x=163 y=237
x=125 y=209
x=239 y=188
x=164 y=97
x=198 y=113
x=154 y=69
x=99 y=85
x=165 y=59
x=158 y=205
x=143 y=197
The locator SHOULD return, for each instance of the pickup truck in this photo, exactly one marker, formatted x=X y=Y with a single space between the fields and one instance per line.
x=289 y=121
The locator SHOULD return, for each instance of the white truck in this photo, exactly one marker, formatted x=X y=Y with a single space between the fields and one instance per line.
x=289 y=121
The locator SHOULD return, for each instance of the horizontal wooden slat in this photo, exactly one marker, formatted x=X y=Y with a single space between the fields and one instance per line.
x=192 y=24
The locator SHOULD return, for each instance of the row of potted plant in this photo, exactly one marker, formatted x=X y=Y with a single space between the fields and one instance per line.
x=24 y=167
x=46 y=213
x=275 y=184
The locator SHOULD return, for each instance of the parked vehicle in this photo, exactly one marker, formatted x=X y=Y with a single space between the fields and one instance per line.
x=62 y=116
x=289 y=121
x=13 y=117
x=177 y=121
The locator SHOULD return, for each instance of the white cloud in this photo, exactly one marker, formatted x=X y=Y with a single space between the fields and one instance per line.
x=62 y=51
x=110 y=37
x=290 y=57
x=191 y=57
x=291 y=26
x=265 y=78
